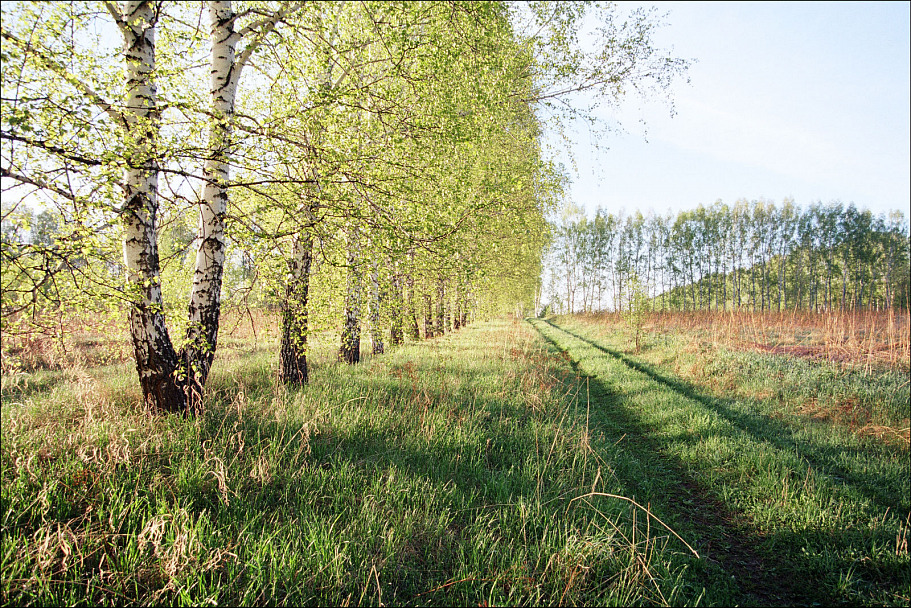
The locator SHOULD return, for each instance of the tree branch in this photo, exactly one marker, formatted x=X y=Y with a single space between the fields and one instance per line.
x=61 y=71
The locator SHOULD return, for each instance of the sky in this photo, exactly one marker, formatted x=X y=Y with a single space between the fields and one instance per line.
x=810 y=101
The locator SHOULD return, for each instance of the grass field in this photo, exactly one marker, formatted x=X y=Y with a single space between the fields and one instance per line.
x=804 y=506
x=537 y=462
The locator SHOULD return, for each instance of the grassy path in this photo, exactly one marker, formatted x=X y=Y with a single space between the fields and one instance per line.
x=483 y=467
x=788 y=514
x=447 y=472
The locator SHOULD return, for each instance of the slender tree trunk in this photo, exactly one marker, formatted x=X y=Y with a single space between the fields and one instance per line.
x=844 y=287
x=441 y=306
x=413 y=328
x=396 y=330
x=205 y=293
x=782 y=294
x=447 y=308
x=888 y=281
x=738 y=287
x=376 y=300
x=428 y=314
x=457 y=303
x=294 y=312
x=466 y=301
x=156 y=360
x=753 y=286
x=724 y=286
x=350 y=349
x=694 y=286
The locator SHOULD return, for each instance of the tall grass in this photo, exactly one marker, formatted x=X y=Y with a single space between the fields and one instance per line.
x=866 y=338
x=818 y=513
x=65 y=339
x=441 y=473
x=483 y=467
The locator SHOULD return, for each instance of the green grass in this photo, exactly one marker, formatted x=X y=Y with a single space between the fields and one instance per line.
x=483 y=467
x=441 y=473
x=817 y=511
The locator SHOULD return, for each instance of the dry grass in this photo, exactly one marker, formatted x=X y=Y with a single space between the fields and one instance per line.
x=74 y=340
x=67 y=341
x=873 y=339
x=399 y=454
x=864 y=345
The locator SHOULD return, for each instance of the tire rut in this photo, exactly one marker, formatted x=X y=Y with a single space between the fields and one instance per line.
x=727 y=539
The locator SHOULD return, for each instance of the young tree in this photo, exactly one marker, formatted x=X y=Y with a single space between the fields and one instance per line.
x=637 y=308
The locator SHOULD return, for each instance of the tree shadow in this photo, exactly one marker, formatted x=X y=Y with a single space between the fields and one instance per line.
x=771 y=563
x=724 y=536
x=479 y=477
x=823 y=458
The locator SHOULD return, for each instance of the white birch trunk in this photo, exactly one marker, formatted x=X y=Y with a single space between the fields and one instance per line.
x=412 y=311
x=396 y=330
x=156 y=359
x=172 y=381
x=350 y=349
x=466 y=301
x=376 y=298
x=295 y=310
x=428 y=310
x=441 y=306
x=205 y=293
x=457 y=302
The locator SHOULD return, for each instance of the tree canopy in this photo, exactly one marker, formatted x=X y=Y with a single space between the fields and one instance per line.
x=350 y=162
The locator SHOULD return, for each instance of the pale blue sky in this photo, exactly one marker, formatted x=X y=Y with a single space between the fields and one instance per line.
x=804 y=100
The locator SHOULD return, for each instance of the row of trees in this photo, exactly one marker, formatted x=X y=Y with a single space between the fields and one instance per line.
x=355 y=163
x=752 y=254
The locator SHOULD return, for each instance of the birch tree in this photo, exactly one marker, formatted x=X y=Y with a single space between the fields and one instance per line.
x=171 y=379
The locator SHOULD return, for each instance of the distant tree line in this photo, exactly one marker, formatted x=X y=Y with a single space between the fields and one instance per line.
x=752 y=255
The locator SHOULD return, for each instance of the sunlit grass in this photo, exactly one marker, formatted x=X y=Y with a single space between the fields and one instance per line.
x=817 y=498
x=482 y=467
x=440 y=473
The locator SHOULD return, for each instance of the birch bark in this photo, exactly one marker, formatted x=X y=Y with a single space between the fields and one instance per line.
x=396 y=330
x=466 y=302
x=376 y=298
x=441 y=306
x=156 y=359
x=173 y=381
x=295 y=311
x=428 y=313
x=412 y=306
x=205 y=293
x=457 y=302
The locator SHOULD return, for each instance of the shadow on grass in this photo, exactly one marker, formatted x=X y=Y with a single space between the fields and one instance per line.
x=486 y=468
x=31 y=385
x=725 y=537
x=783 y=549
x=468 y=456
x=765 y=429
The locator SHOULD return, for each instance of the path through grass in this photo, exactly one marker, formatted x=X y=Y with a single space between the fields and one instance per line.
x=794 y=512
x=441 y=473
x=483 y=467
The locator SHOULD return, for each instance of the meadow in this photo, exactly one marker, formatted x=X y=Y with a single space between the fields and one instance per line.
x=513 y=462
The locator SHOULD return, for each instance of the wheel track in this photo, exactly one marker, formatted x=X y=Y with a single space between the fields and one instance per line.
x=727 y=538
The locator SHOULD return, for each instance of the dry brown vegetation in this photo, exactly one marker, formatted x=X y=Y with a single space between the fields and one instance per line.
x=863 y=344
x=72 y=340
x=874 y=339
